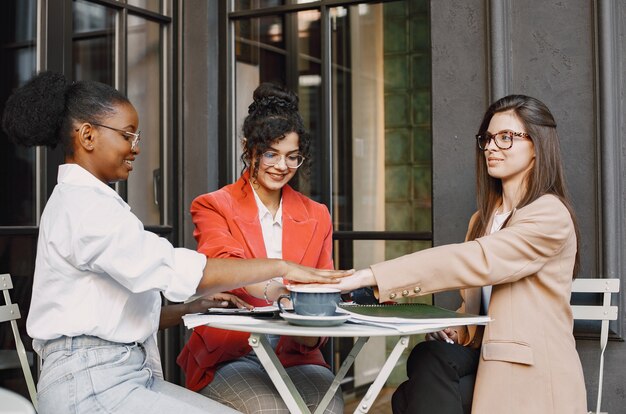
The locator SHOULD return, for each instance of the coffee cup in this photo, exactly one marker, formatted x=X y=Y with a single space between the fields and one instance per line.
x=312 y=301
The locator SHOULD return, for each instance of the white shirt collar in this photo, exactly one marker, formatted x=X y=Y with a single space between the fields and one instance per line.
x=271 y=227
x=264 y=211
x=74 y=174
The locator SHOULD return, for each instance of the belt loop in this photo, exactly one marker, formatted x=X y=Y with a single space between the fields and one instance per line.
x=68 y=345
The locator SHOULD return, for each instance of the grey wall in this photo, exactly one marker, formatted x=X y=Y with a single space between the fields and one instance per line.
x=571 y=55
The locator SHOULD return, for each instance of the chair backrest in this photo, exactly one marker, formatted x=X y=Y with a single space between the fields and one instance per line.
x=604 y=312
x=9 y=312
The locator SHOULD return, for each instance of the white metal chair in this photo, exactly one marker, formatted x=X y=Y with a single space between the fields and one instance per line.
x=9 y=312
x=604 y=313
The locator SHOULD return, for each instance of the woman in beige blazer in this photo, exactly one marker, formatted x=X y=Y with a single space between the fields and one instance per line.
x=522 y=242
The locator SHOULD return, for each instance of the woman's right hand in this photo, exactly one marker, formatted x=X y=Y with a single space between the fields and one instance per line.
x=304 y=274
x=448 y=335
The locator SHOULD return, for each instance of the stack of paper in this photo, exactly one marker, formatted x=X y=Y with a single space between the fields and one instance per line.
x=405 y=317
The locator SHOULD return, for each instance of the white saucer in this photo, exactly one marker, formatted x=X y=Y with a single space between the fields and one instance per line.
x=333 y=320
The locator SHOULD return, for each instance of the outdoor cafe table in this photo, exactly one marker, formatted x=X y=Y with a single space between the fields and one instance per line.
x=260 y=328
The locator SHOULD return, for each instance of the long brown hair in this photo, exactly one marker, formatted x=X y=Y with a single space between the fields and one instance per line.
x=544 y=177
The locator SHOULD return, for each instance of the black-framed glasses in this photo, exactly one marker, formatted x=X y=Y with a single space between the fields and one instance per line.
x=502 y=139
x=132 y=137
x=271 y=158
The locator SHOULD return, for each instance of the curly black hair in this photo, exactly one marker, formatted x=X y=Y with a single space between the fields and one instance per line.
x=43 y=111
x=271 y=116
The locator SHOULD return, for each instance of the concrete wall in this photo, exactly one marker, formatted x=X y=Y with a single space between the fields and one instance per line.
x=571 y=55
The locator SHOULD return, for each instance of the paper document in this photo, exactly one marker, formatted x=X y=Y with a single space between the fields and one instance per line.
x=404 y=328
x=411 y=313
x=196 y=319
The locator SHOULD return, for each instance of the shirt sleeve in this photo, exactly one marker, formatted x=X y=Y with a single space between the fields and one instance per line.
x=116 y=244
x=535 y=234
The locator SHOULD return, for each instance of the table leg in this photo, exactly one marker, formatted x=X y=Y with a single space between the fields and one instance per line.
x=345 y=366
x=277 y=373
x=377 y=385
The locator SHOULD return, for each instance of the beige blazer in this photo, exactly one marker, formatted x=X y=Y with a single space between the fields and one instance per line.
x=529 y=362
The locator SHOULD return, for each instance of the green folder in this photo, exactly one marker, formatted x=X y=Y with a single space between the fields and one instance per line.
x=410 y=313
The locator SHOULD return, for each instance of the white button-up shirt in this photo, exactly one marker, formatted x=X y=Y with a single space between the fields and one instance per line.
x=272 y=228
x=98 y=272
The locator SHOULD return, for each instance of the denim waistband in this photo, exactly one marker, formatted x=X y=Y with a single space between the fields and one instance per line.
x=69 y=343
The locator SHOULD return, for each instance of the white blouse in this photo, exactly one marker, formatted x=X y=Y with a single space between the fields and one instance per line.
x=272 y=228
x=498 y=221
x=98 y=272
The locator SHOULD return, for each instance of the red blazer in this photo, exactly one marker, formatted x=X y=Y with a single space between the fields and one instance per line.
x=227 y=225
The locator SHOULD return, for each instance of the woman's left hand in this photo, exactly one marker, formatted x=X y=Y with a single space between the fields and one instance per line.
x=360 y=278
x=217 y=300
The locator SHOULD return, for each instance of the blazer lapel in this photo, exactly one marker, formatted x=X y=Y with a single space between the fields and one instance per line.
x=298 y=227
x=246 y=216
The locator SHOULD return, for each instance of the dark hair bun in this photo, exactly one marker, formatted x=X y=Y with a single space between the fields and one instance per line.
x=34 y=113
x=272 y=99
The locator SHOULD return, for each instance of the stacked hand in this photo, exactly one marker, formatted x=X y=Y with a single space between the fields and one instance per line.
x=304 y=274
x=353 y=280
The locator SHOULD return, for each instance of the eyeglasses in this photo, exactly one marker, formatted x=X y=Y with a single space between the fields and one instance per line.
x=133 y=137
x=503 y=139
x=271 y=159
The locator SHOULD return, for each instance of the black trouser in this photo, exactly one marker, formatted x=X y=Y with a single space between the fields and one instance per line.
x=441 y=380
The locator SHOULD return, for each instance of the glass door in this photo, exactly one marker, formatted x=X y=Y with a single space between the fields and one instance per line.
x=362 y=73
x=19 y=185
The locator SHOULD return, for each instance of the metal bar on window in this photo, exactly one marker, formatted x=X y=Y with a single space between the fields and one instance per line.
x=136 y=10
x=327 y=113
x=167 y=45
x=382 y=235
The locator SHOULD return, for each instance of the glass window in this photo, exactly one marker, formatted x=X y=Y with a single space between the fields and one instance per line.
x=257 y=4
x=17 y=164
x=378 y=148
x=94 y=42
x=94 y=59
x=152 y=5
x=381 y=137
x=381 y=123
x=145 y=91
x=260 y=56
x=261 y=47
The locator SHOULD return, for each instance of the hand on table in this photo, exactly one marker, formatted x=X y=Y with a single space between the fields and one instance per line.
x=304 y=274
x=217 y=300
x=448 y=335
x=171 y=315
x=358 y=279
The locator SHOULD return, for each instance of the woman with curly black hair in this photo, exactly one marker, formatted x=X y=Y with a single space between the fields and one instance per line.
x=262 y=216
x=98 y=274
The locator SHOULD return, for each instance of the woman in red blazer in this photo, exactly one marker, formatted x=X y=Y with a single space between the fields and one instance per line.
x=262 y=216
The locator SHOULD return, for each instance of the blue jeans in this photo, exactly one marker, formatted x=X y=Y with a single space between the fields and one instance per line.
x=90 y=375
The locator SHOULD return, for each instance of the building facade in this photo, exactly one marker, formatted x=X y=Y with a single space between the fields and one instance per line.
x=392 y=92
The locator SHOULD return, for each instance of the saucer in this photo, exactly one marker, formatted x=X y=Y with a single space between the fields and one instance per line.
x=332 y=320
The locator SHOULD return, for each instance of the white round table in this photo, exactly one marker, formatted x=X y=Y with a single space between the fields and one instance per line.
x=259 y=328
